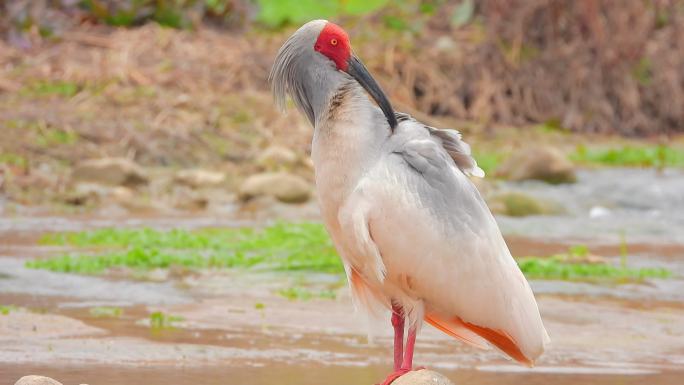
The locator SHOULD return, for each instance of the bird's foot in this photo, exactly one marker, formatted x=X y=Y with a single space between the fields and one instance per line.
x=398 y=373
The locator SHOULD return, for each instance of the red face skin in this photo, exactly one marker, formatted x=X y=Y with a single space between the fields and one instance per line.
x=333 y=42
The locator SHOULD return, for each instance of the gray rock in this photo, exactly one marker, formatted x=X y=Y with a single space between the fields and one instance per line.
x=198 y=178
x=110 y=171
x=283 y=186
x=545 y=163
x=516 y=204
x=37 y=380
x=422 y=377
x=277 y=157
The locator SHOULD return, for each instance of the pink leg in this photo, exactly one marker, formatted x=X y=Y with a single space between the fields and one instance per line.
x=398 y=324
x=402 y=364
x=407 y=364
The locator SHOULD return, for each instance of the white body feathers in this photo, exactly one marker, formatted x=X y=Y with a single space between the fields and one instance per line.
x=413 y=229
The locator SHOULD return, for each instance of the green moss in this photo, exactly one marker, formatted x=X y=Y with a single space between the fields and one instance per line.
x=48 y=88
x=643 y=156
x=56 y=137
x=6 y=309
x=283 y=246
x=516 y=204
x=555 y=268
x=520 y=205
x=303 y=294
x=160 y=320
x=551 y=126
x=13 y=159
x=145 y=237
x=106 y=311
x=579 y=251
x=643 y=71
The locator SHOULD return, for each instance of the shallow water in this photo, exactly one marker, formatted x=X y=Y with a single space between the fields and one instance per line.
x=602 y=334
x=607 y=205
x=316 y=375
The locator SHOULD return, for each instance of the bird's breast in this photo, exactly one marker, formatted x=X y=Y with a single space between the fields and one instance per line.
x=341 y=152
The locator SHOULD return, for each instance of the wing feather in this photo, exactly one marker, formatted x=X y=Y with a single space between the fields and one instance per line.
x=453 y=144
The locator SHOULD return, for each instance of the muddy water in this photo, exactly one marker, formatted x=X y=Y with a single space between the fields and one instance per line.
x=602 y=334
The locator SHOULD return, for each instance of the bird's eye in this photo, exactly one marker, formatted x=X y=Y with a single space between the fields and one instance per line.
x=333 y=42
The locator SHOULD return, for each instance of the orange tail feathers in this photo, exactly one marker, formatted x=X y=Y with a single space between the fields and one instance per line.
x=475 y=335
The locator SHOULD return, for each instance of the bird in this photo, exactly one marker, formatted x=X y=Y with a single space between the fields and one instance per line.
x=414 y=234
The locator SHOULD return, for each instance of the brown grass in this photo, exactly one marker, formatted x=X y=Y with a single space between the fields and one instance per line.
x=179 y=98
x=606 y=66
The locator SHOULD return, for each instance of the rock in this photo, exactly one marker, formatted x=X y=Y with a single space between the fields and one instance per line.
x=121 y=194
x=445 y=43
x=187 y=199
x=517 y=204
x=422 y=377
x=599 y=212
x=277 y=157
x=87 y=193
x=110 y=171
x=281 y=185
x=544 y=163
x=37 y=380
x=197 y=178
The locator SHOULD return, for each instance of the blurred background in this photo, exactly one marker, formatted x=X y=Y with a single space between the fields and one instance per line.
x=158 y=221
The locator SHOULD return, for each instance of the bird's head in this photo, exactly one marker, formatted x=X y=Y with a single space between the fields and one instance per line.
x=316 y=56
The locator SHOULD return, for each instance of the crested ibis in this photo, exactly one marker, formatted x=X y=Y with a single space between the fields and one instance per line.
x=413 y=232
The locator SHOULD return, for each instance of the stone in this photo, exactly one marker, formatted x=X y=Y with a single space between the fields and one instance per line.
x=85 y=193
x=422 y=377
x=283 y=186
x=198 y=178
x=92 y=193
x=121 y=194
x=544 y=163
x=37 y=380
x=445 y=43
x=277 y=157
x=188 y=199
x=110 y=171
x=516 y=204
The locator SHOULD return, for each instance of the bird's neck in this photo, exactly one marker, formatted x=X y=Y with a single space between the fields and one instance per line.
x=346 y=143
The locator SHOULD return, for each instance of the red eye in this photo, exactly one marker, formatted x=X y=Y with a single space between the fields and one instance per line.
x=333 y=42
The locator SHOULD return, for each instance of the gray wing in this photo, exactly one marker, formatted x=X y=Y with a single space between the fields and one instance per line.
x=452 y=143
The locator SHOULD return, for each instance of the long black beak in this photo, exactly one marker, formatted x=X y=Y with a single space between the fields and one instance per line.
x=359 y=72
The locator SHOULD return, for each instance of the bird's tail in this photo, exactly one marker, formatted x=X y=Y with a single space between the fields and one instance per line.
x=479 y=336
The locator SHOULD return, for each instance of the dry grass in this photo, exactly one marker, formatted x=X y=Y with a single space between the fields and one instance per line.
x=154 y=94
x=606 y=66
x=159 y=96
x=176 y=98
